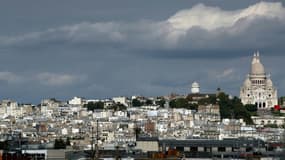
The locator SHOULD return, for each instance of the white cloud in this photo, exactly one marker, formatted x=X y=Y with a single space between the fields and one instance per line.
x=54 y=79
x=46 y=78
x=211 y=18
x=10 y=77
x=223 y=74
x=227 y=73
x=198 y=28
x=202 y=35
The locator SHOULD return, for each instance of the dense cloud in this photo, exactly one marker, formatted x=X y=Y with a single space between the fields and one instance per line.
x=199 y=29
x=151 y=57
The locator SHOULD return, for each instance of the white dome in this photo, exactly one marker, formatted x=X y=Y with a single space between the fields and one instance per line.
x=256 y=66
x=247 y=82
x=195 y=87
x=269 y=82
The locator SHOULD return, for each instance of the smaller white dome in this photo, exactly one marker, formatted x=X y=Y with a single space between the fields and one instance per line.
x=247 y=82
x=269 y=82
x=195 y=87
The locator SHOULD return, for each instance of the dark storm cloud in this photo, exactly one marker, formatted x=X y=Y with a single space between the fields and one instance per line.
x=256 y=27
x=111 y=57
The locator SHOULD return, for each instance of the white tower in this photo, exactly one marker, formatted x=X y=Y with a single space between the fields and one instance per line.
x=258 y=88
x=195 y=88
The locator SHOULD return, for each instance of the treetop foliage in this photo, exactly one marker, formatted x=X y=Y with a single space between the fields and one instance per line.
x=91 y=106
x=229 y=107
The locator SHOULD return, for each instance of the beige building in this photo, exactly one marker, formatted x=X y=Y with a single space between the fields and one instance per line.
x=258 y=88
x=146 y=144
x=10 y=108
x=267 y=120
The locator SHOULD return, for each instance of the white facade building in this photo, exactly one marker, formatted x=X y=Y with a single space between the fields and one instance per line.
x=10 y=108
x=76 y=101
x=258 y=88
x=265 y=120
x=121 y=100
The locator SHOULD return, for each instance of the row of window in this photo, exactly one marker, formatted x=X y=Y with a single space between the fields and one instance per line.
x=258 y=81
x=269 y=122
x=248 y=95
x=219 y=149
x=260 y=104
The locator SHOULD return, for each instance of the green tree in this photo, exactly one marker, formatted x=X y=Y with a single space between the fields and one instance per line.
x=182 y=103
x=91 y=106
x=149 y=102
x=241 y=112
x=136 y=103
x=178 y=103
x=281 y=100
x=160 y=102
x=251 y=107
x=233 y=108
x=172 y=104
x=226 y=110
x=193 y=106
x=119 y=107
x=210 y=100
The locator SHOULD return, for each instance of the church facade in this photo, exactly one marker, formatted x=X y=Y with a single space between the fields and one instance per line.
x=258 y=88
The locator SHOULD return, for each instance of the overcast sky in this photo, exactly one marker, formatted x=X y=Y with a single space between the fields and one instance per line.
x=101 y=49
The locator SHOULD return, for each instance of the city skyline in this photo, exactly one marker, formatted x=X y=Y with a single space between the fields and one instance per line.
x=102 y=49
